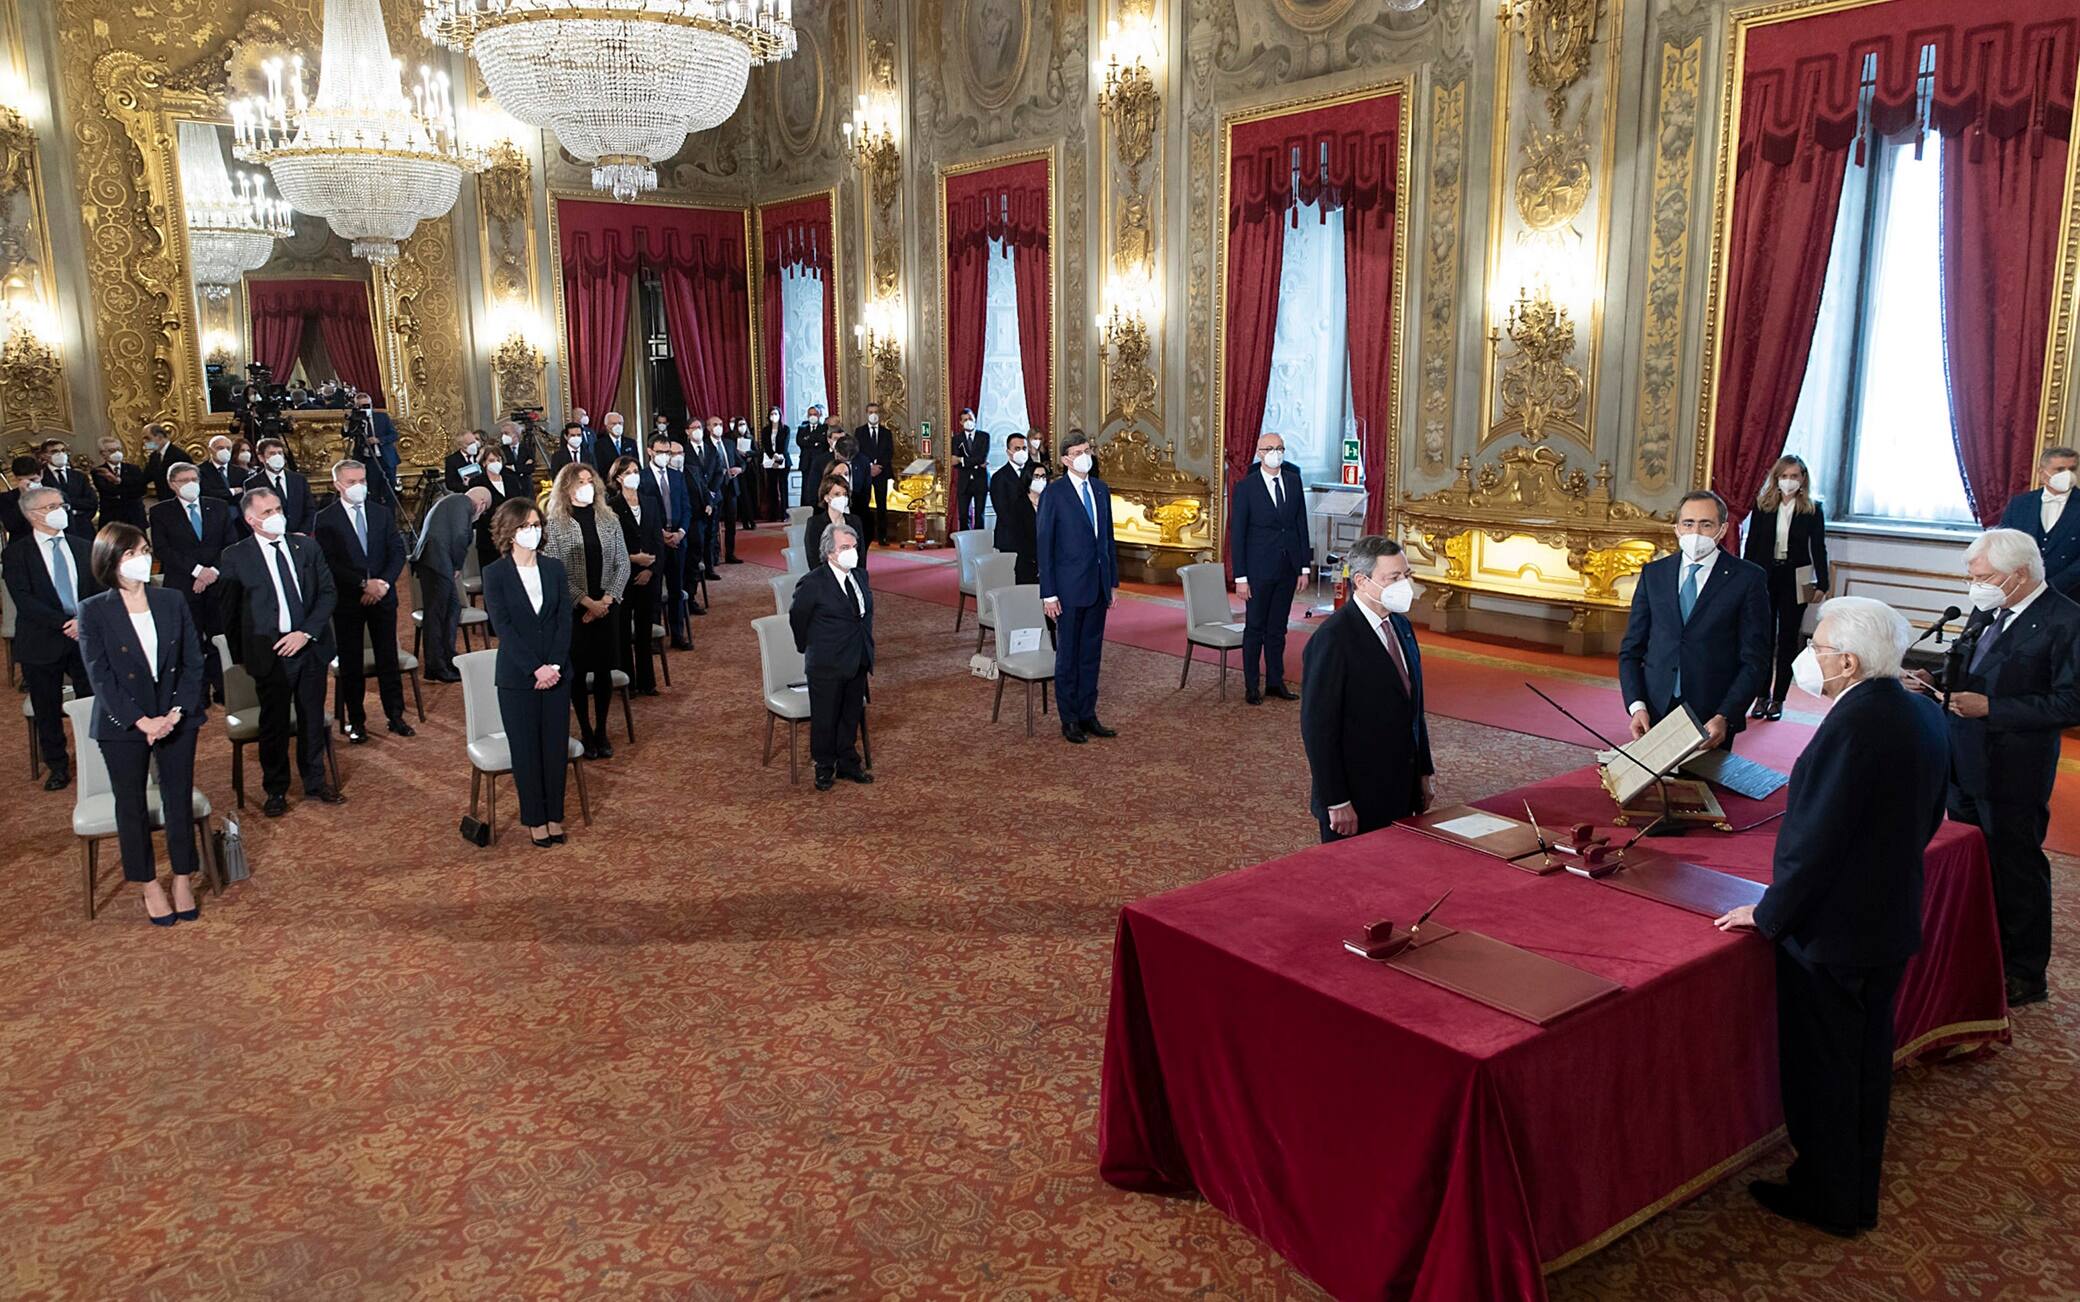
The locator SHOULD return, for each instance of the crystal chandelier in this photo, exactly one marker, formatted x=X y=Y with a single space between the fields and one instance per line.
x=231 y=227
x=620 y=82
x=370 y=161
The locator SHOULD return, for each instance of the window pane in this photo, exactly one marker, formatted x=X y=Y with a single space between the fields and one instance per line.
x=1820 y=422
x=1905 y=465
x=801 y=343
x=1309 y=398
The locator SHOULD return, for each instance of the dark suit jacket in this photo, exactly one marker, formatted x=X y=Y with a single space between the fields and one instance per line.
x=295 y=492
x=81 y=498
x=772 y=442
x=123 y=499
x=812 y=537
x=647 y=536
x=350 y=566
x=815 y=446
x=1017 y=521
x=125 y=688
x=606 y=450
x=1807 y=544
x=155 y=471
x=11 y=518
x=221 y=482
x=179 y=550
x=835 y=638
x=563 y=457
x=1077 y=567
x=1367 y=740
x=39 y=617
x=246 y=603
x=528 y=640
x=1723 y=652
x=2031 y=679
x=704 y=467
x=2061 y=547
x=1866 y=796
x=878 y=445
x=452 y=476
x=1269 y=545
x=973 y=450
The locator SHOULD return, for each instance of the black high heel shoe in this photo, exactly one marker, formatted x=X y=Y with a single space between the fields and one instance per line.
x=165 y=921
x=1775 y=711
x=542 y=842
x=556 y=838
x=1760 y=711
x=189 y=915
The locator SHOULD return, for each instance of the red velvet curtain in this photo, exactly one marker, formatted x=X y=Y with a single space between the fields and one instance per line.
x=1012 y=204
x=700 y=255
x=1369 y=219
x=2002 y=92
x=282 y=310
x=798 y=234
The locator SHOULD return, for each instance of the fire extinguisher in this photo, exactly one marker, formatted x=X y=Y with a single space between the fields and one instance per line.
x=1343 y=582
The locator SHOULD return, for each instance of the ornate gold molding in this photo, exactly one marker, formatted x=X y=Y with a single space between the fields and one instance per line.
x=1668 y=264
x=1446 y=205
x=1538 y=383
x=34 y=397
x=516 y=372
x=1175 y=502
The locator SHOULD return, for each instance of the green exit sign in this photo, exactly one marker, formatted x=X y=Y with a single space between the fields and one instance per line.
x=1350 y=452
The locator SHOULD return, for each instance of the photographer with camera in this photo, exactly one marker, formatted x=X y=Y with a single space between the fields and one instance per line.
x=371 y=439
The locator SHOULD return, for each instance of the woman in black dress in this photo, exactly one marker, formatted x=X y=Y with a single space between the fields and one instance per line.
x=642 y=524
x=836 y=496
x=583 y=535
x=1786 y=533
x=529 y=598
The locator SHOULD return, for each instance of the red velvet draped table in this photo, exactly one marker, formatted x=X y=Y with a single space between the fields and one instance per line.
x=1391 y=1139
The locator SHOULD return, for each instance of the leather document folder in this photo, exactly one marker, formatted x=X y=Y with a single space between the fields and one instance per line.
x=1685 y=886
x=1516 y=981
x=1476 y=829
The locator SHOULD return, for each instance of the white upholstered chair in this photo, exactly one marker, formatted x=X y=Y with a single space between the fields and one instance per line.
x=1206 y=616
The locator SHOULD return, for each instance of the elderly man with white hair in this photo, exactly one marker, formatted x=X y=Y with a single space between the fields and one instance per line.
x=2014 y=685
x=1844 y=909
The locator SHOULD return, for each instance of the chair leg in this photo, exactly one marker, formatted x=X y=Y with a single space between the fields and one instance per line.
x=1186 y=675
x=332 y=761
x=960 y=604
x=86 y=867
x=418 y=701
x=584 y=804
x=1224 y=673
x=980 y=633
x=1044 y=684
x=664 y=662
x=866 y=743
x=491 y=808
x=238 y=772
x=418 y=641
x=767 y=758
x=212 y=869
x=628 y=714
x=794 y=733
x=997 y=707
x=476 y=789
x=1029 y=707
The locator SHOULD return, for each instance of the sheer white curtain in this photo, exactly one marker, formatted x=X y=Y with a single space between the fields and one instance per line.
x=1002 y=408
x=801 y=343
x=1309 y=401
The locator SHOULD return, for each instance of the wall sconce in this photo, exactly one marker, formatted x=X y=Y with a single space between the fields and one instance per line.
x=1127 y=95
x=879 y=335
x=517 y=361
x=29 y=359
x=1538 y=384
x=17 y=134
x=219 y=348
x=870 y=140
x=1132 y=306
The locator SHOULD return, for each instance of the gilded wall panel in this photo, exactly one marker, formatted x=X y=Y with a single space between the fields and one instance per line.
x=1670 y=217
x=34 y=388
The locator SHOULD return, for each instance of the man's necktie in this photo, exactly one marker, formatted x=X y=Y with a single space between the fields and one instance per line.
x=1089 y=508
x=61 y=576
x=360 y=528
x=1686 y=600
x=195 y=517
x=1393 y=645
x=290 y=591
x=1276 y=500
x=1986 y=639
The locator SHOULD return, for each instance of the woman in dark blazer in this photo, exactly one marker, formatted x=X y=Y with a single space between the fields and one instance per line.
x=642 y=527
x=583 y=533
x=1787 y=532
x=529 y=600
x=503 y=482
x=144 y=660
x=835 y=498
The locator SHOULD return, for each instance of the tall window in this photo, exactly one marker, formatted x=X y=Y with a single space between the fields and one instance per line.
x=1309 y=401
x=1873 y=418
x=1002 y=408
x=802 y=321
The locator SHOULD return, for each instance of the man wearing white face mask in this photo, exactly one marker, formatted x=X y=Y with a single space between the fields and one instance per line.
x=275 y=472
x=1079 y=573
x=2014 y=679
x=2041 y=513
x=613 y=445
x=1362 y=719
x=48 y=574
x=1010 y=492
x=1699 y=633
x=832 y=616
x=82 y=502
x=970 y=471
x=362 y=547
x=189 y=534
x=1267 y=541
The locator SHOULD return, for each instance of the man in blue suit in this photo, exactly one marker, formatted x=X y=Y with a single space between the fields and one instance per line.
x=2041 y=513
x=1699 y=635
x=1267 y=541
x=1078 y=572
x=676 y=506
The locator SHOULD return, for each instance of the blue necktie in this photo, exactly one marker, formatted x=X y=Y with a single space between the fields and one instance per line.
x=1088 y=508
x=1986 y=639
x=195 y=517
x=1686 y=600
x=61 y=576
x=360 y=528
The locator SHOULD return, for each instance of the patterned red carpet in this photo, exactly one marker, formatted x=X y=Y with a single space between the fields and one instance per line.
x=742 y=1040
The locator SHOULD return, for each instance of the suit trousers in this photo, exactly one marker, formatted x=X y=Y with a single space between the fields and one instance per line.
x=1788 y=616
x=1264 y=619
x=595 y=651
x=836 y=706
x=46 y=685
x=879 y=493
x=349 y=618
x=440 y=597
x=637 y=611
x=1078 y=648
x=671 y=567
x=774 y=498
x=2015 y=831
x=1834 y=1065
x=974 y=495
x=202 y=608
x=751 y=491
x=538 y=733
x=727 y=514
x=292 y=682
x=129 y=773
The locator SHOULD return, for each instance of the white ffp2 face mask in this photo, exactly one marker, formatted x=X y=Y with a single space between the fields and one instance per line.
x=1081 y=463
x=841 y=504
x=189 y=490
x=1985 y=596
x=1398 y=596
x=632 y=479
x=582 y=495
x=274 y=526
x=1018 y=458
x=1788 y=486
x=276 y=462
x=1697 y=546
x=137 y=569
x=1807 y=674
x=1274 y=459
x=528 y=536
x=355 y=494
x=846 y=557
x=2062 y=482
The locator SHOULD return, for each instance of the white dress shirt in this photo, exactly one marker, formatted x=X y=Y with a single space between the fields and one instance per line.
x=1785 y=510
x=2054 y=505
x=268 y=548
x=147 y=636
x=531 y=580
x=859 y=603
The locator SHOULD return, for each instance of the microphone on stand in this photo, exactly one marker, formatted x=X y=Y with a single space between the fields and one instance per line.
x=1936 y=628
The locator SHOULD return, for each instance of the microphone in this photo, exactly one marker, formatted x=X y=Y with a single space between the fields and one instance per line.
x=1936 y=628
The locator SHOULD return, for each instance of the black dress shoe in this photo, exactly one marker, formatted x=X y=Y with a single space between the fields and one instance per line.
x=1282 y=692
x=403 y=729
x=1774 y=712
x=1252 y=696
x=1761 y=710
x=695 y=608
x=731 y=560
x=860 y=776
x=557 y=838
x=542 y=842
x=58 y=780
x=356 y=734
x=1092 y=727
x=685 y=644
x=824 y=780
x=1074 y=733
x=606 y=749
x=2022 y=992
x=711 y=574
x=1786 y=1201
x=276 y=806
x=327 y=796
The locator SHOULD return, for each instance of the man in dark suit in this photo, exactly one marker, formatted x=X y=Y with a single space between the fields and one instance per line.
x=1017 y=523
x=705 y=466
x=833 y=621
x=119 y=485
x=572 y=446
x=692 y=558
x=1079 y=570
x=519 y=451
x=728 y=465
x=48 y=573
x=159 y=453
x=1362 y=720
x=275 y=472
x=82 y=503
x=2014 y=681
x=27 y=473
x=814 y=441
x=1268 y=544
x=362 y=549
x=877 y=443
x=2041 y=513
x=459 y=469
x=445 y=539
x=666 y=487
x=189 y=534
x=1844 y=909
x=1699 y=634
x=221 y=479
x=613 y=444
x=776 y=461
x=970 y=471
x=277 y=604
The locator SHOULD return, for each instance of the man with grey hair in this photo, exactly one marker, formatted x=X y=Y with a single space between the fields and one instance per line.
x=48 y=573
x=1844 y=909
x=2041 y=513
x=361 y=545
x=443 y=548
x=833 y=621
x=2014 y=683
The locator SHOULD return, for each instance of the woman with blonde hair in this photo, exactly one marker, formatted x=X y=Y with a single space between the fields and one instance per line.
x=583 y=535
x=1787 y=534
